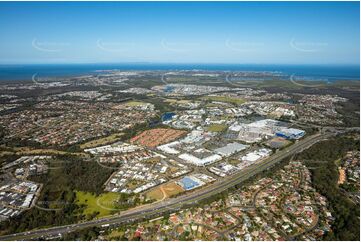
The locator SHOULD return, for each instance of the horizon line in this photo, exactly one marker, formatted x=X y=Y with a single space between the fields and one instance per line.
x=181 y=63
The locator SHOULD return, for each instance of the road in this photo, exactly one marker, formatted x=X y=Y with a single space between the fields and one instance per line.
x=174 y=204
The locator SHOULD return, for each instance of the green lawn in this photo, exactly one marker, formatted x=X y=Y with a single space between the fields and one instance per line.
x=134 y=103
x=104 y=203
x=217 y=127
x=102 y=141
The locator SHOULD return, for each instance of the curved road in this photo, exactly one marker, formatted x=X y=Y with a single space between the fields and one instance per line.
x=173 y=204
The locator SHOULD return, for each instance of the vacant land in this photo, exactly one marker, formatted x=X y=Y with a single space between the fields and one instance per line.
x=154 y=137
x=278 y=142
x=102 y=141
x=102 y=205
x=164 y=191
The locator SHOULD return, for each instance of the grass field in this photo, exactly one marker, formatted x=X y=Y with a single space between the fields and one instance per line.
x=155 y=194
x=152 y=160
x=217 y=127
x=30 y=151
x=233 y=100
x=103 y=204
x=192 y=79
x=102 y=141
x=182 y=101
x=134 y=103
x=164 y=191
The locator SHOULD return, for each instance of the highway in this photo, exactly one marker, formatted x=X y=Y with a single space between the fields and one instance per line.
x=174 y=204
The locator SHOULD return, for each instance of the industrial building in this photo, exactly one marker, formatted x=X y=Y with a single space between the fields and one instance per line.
x=200 y=161
x=188 y=183
x=256 y=155
x=291 y=133
x=167 y=116
x=230 y=149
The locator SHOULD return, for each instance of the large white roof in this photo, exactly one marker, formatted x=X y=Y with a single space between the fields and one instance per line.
x=199 y=162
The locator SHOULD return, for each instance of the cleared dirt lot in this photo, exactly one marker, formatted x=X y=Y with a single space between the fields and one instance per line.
x=164 y=191
x=154 y=137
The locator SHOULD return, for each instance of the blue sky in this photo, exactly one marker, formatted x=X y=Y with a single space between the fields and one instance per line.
x=180 y=32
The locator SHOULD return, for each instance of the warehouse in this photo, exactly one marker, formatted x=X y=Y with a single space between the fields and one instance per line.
x=200 y=162
x=168 y=148
x=256 y=155
x=167 y=116
x=291 y=133
x=230 y=149
x=188 y=183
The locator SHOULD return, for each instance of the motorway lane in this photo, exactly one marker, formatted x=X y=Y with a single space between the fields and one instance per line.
x=175 y=203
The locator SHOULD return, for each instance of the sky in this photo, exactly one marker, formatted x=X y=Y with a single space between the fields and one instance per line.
x=180 y=32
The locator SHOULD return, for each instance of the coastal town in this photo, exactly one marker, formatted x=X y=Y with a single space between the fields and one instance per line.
x=180 y=120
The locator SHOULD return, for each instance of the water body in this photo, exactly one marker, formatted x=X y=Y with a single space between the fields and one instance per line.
x=310 y=72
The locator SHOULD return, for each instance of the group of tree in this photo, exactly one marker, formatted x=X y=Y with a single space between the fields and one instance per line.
x=56 y=204
x=346 y=225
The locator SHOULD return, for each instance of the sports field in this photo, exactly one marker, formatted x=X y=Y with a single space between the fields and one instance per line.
x=217 y=127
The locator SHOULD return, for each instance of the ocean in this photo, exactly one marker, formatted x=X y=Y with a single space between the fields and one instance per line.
x=327 y=73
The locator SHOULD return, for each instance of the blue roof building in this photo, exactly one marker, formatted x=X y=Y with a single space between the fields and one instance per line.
x=291 y=133
x=167 y=116
x=187 y=183
x=168 y=88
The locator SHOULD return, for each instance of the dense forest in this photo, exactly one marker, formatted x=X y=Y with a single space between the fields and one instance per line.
x=87 y=234
x=324 y=178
